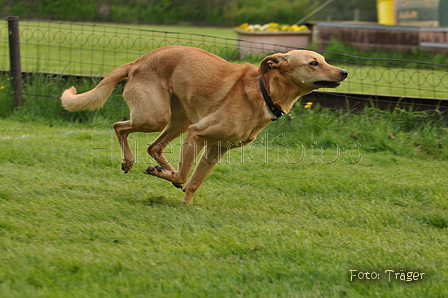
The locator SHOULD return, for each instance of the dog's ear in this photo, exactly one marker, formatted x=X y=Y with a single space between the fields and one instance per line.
x=273 y=61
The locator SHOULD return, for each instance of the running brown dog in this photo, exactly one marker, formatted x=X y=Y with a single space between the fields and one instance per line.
x=220 y=105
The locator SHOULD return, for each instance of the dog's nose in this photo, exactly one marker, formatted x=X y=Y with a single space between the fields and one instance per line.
x=344 y=73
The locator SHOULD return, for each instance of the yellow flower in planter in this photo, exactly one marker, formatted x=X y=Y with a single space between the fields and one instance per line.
x=308 y=105
x=244 y=26
x=271 y=27
x=299 y=28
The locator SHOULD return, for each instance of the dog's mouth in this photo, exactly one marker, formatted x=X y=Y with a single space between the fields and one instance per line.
x=327 y=84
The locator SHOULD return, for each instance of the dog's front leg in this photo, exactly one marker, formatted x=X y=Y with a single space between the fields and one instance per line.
x=211 y=156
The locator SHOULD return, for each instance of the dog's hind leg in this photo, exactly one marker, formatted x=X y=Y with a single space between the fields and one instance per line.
x=156 y=148
x=189 y=150
x=177 y=125
x=150 y=112
x=122 y=130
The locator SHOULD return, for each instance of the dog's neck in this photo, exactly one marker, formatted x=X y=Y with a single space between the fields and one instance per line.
x=275 y=109
x=283 y=98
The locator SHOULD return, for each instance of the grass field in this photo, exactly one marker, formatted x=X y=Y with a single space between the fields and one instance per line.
x=73 y=225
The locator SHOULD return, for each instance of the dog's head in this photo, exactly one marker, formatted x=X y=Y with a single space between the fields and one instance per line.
x=305 y=69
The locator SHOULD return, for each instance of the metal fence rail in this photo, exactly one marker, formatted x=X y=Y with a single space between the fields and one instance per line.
x=95 y=50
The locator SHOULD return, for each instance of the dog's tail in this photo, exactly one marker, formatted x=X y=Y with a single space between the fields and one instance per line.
x=95 y=98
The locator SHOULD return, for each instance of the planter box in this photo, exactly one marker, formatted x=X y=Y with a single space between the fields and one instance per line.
x=268 y=42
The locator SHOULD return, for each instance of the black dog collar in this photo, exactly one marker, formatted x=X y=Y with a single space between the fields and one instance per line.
x=268 y=100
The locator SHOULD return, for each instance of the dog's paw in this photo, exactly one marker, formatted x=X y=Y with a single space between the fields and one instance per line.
x=149 y=169
x=126 y=166
x=163 y=173
x=177 y=185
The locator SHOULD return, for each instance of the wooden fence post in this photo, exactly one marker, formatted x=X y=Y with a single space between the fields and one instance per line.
x=14 y=60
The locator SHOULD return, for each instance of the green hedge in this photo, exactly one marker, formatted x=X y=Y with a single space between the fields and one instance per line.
x=197 y=12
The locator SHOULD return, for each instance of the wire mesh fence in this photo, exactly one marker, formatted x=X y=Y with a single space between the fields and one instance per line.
x=95 y=50
x=402 y=78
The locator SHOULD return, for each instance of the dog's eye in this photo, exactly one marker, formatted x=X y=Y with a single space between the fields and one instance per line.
x=314 y=63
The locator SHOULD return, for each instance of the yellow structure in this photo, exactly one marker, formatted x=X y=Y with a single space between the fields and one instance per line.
x=386 y=12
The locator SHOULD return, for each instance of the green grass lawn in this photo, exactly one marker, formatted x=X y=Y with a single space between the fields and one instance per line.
x=73 y=225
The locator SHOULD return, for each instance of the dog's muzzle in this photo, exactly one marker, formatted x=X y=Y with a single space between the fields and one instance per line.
x=333 y=84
